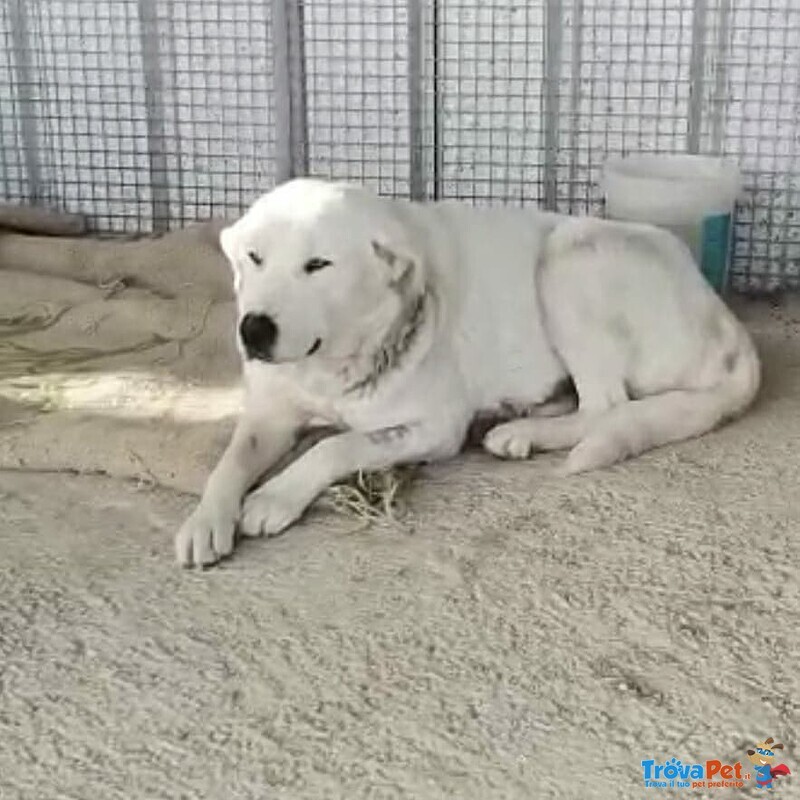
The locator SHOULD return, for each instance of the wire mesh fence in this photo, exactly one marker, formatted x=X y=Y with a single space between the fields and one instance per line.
x=147 y=114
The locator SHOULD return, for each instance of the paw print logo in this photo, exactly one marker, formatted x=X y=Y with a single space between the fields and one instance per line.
x=672 y=769
x=763 y=758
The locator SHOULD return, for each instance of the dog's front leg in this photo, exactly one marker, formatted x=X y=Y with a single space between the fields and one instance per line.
x=257 y=443
x=281 y=500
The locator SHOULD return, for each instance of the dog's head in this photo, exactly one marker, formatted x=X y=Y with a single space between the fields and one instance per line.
x=320 y=270
x=764 y=752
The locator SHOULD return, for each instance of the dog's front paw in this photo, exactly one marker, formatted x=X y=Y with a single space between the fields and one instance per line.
x=206 y=536
x=509 y=440
x=272 y=508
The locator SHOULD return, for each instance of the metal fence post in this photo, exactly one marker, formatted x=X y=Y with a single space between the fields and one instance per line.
x=154 y=104
x=696 y=69
x=554 y=36
x=20 y=38
x=291 y=135
x=416 y=93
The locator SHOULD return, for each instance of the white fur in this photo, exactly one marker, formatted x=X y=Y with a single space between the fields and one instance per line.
x=431 y=315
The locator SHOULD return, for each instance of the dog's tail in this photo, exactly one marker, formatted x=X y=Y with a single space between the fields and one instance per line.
x=638 y=425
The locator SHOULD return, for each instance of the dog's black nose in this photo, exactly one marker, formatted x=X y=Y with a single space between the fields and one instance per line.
x=258 y=333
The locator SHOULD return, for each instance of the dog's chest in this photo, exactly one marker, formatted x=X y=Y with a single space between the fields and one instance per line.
x=427 y=390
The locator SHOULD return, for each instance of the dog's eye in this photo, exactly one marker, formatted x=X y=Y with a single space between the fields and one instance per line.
x=314 y=264
x=255 y=257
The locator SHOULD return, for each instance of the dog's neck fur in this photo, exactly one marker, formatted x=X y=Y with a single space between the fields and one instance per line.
x=395 y=346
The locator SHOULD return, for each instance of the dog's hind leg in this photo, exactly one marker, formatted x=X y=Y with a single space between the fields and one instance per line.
x=645 y=375
x=599 y=387
x=520 y=438
x=631 y=428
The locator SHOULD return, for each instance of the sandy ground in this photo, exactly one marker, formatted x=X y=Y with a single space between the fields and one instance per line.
x=520 y=636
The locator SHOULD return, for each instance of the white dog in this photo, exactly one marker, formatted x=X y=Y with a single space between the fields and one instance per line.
x=400 y=323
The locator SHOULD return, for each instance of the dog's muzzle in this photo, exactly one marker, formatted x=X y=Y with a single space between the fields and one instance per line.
x=258 y=333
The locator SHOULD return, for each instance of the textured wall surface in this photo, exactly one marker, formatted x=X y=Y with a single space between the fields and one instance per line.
x=146 y=114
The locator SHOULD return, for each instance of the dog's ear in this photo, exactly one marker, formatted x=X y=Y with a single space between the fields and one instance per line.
x=226 y=243
x=405 y=268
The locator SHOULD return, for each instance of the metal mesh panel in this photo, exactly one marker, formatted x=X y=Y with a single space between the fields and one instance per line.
x=216 y=135
x=760 y=124
x=151 y=113
x=138 y=113
x=13 y=175
x=358 y=91
x=86 y=111
x=622 y=79
x=489 y=73
x=530 y=99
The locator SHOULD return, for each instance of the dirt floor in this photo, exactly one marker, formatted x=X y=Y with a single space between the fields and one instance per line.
x=519 y=636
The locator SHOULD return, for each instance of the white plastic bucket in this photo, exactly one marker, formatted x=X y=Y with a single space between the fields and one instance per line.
x=693 y=196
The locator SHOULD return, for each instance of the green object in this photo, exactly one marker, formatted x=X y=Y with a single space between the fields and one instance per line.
x=714 y=255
